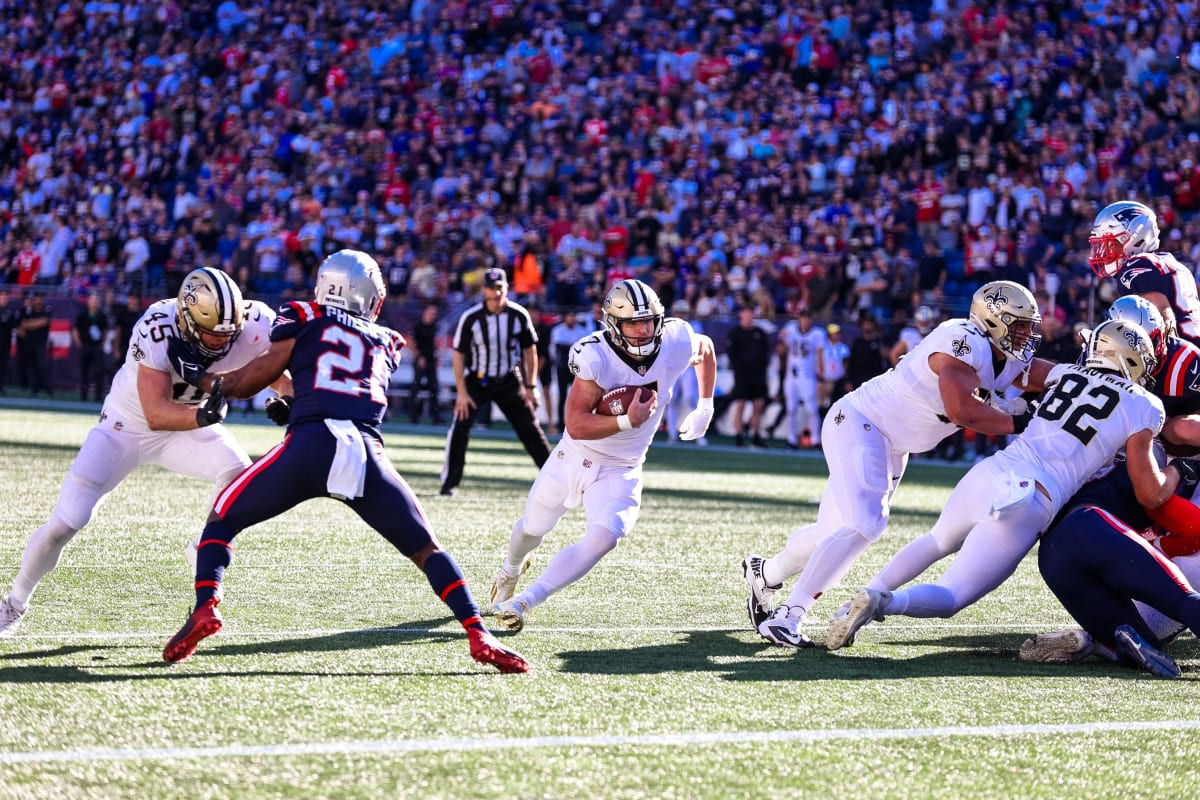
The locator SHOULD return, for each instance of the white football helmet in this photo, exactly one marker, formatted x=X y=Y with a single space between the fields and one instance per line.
x=925 y=318
x=1121 y=230
x=352 y=281
x=633 y=300
x=1121 y=347
x=1141 y=312
x=209 y=302
x=1008 y=315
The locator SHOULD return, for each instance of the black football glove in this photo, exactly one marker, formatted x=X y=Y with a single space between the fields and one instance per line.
x=214 y=408
x=279 y=409
x=186 y=362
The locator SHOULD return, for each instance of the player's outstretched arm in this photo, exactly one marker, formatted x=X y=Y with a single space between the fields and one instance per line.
x=957 y=383
x=260 y=373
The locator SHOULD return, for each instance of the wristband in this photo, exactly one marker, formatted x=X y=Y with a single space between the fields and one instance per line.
x=531 y=386
x=624 y=423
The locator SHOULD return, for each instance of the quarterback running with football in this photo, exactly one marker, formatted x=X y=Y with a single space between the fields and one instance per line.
x=955 y=377
x=341 y=360
x=152 y=416
x=1000 y=507
x=598 y=461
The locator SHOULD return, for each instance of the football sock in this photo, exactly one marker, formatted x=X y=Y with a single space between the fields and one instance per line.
x=41 y=555
x=213 y=554
x=924 y=600
x=912 y=559
x=791 y=560
x=572 y=563
x=830 y=562
x=449 y=584
x=520 y=545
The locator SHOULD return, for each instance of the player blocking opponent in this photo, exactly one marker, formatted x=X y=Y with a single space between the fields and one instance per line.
x=341 y=360
x=598 y=461
x=1000 y=507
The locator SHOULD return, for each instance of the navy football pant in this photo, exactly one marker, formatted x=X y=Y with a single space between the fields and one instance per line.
x=297 y=470
x=1096 y=565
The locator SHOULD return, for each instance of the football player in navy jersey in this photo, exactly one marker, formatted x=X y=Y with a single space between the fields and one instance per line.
x=1130 y=596
x=341 y=361
x=1176 y=379
x=1124 y=245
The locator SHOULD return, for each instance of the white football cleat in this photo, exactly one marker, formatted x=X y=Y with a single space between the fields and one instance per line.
x=1057 y=647
x=511 y=614
x=505 y=585
x=864 y=607
x=781 y=628
x=10 y=617
x=762 y=594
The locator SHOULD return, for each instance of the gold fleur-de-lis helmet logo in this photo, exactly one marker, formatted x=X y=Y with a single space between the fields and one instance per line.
x=996 y=300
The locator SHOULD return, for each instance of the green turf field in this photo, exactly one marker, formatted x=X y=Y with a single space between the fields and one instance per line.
x=339 y=674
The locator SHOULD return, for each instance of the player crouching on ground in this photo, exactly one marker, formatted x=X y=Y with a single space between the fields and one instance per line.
x=341 y=360
x=598 y=461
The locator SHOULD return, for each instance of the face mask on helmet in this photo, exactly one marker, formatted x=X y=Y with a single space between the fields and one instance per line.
x=1121 y=347
x=633 y=318
x=209 y=311
x=1143 y=313
x=1007 y=314
x=1121 y=230
x=352 y=281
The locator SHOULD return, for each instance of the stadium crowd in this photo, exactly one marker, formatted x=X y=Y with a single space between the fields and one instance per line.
x=856 y=159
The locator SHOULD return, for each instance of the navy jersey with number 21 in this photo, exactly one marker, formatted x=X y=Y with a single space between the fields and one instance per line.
x=340 y=364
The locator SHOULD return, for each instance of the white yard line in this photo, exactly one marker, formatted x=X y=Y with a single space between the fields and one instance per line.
x=644 y=740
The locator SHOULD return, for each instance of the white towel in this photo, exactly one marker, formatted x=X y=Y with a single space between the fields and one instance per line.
x=348 y=472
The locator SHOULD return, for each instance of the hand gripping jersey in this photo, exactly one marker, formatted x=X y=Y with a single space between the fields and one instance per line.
x=905 y=402
x=148 y=347
x=1080 y=426
x=1162 y=272
x=341 y=364
x=802 y=348
x=594 y=359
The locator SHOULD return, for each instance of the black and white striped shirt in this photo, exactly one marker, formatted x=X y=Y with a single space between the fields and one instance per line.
x=491 y=344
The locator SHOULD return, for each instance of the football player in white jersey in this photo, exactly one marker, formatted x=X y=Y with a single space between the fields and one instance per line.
x=999 y=508
x=598 y=461
x=801 y=353
x=152 y=415
x=953 y=378
x=910 y=336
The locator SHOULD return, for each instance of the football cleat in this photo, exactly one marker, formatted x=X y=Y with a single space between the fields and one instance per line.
x=511 y=614
x=1131 y=645
x=762 y=594
x=781 y=628
x=866 y=606
x=10 y=617
x=1057 y=647
x=486 y=649
x=505 y=584
x=202 y=623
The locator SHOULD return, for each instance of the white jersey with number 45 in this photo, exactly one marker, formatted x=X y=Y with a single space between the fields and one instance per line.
x=594 y=359
x=905 y=402
x=148 y=346
x=1080 y=426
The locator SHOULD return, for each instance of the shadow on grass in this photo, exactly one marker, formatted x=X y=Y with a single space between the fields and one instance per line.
x=736 y=659
x=109 y=666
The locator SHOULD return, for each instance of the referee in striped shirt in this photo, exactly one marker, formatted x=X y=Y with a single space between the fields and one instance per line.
x=495 y=356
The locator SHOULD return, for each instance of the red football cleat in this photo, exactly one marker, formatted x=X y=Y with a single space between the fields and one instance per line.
x=203 y=622
x=486 y=649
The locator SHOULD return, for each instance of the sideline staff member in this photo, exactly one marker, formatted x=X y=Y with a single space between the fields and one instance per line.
x=495 y=356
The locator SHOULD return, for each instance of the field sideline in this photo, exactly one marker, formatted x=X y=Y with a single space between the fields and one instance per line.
x=339 y=675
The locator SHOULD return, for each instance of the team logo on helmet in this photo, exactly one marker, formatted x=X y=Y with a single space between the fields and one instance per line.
x=1127 y=214
x=1131 y=337
x=996 y=300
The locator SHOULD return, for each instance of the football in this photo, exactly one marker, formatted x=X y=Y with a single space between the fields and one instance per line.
x=615 y=402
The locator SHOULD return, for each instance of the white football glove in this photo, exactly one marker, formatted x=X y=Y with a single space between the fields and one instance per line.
x=1016 y=406
x=695 y=425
